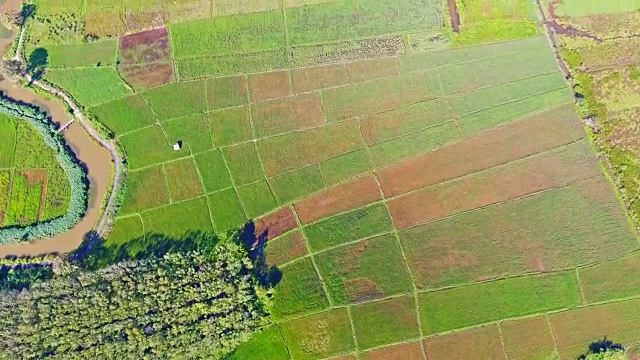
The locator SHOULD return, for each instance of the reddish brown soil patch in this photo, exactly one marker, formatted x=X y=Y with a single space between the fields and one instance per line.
x=370 y=69
x=409 y=351
x=288 y=114
x=454 y=15
x=286 y=248
x=350 y=195
x=495 y=185
x=38 y=176
x=319 y=77
x=270 y=85
x=275 y=224
x=361 y=289
x=144 y=47
x=146 y=76
x=529 y=136
x=539 y=344
x=479 y=343
x=138 y=20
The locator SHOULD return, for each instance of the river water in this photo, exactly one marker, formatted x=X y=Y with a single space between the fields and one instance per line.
x=96 y=160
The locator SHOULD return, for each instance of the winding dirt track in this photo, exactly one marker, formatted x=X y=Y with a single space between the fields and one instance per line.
x=81 y=140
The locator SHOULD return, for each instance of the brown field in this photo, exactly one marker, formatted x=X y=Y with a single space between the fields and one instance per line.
x=382 y=126
x=407 y=351
x=625 y=134
x=319 y=77
x=370 y=69
x=532 y=234
x=144 y=47
x=183 y=180
x=226 y=92
x=275 y=224
x=285 y=248
x=479 y=343
x=609 y=281
x=145 y=76
x=348 y=196
x=555 y=169
x=139 y=20
x=104 y=24
x=289 y=114
x=344 y=357
x=575 y=329
x=231 y=7
x=38 y=176
x=300 y=149
x=538 y=344
x=270 y=85
x=516 y=140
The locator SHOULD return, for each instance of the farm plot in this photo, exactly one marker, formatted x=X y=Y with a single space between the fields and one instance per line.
x=539 y=344
x=609 y=280
x=100 y=53
x=90 y=86
x=145 y=58
x=385 y=322
x=8 y=137
x=408 y=351
x=27 y=192
x=124 y=115
x=484 y=342
x=577 y=8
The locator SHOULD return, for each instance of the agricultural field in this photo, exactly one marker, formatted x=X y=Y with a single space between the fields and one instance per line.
x=413 y=195
x=33 y=186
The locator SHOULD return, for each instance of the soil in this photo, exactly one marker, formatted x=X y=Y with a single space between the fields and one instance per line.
x=483 y=342
x=492 y=186
x=541 y=132
x=95 y=159
x=270 y=85
x=364 y=70
x=146 y=76
x=454 y=15
x=274 y=225
x=144 y=47
x=361 y=289
x=319 y=77
x=348 y=196
x=408 y=351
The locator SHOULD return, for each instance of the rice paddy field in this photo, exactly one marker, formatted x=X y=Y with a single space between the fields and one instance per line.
x=425 y=195
x=33 y=186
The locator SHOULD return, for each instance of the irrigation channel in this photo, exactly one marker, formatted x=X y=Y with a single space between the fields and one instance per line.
x=95 y=153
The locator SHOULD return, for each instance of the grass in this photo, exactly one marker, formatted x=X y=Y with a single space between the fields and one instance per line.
x=243 y=163
x=344 y=167
x=91 y=86
x=193 y=68
x=257 y=199
x=25 y=203
x=5 y=193
x=192 y=131
x=296 y=184
x=146 y=189
x=477 y=304
x=385 y=322
x=230 y=126
x=285 y=248
x=8 y=138
x=179 y=219
x=226 y=210
x=297 y=150
x=539 y=344
x=213 y=171
x=579 y=8
x=148 y=146
x=124 y=230
x=166 y=105
x=320 y=335
x=534 y=233
x=226 y=92
x=609 y=281
x=369 y=269
x=124 y=115
x=58 y=194
x=229 y=35
x=183 y=180
x=266 y=344
x=286 y=115
x=100 y=53
x=349 y=226
x=299 y=292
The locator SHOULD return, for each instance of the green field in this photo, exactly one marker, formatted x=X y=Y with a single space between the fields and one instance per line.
x=578 y=8
x=352 y=114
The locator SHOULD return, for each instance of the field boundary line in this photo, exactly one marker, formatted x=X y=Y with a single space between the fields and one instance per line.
x=353 y=330
x=504 y=349
x=204 y=189
x=454 y=118
x=144 y=231
x=504 y=202
x=553 y=336
x=166 y=183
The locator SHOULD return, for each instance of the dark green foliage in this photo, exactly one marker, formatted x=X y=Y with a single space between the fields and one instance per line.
x=184 y=305
x=22 y=276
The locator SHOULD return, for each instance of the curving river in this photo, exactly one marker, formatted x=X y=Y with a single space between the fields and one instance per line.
x=96 y=159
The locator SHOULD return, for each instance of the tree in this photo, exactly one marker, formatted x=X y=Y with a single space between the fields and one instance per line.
x=604 y=349
x=13 y=67
x=38 y=60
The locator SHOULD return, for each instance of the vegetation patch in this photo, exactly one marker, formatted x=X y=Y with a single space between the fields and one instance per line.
x=99 y=53
x=548 y=236
x=148 y=146
x=230 y=126
x=213 y=171
x=8 y=137
x=91 y=86
x=345 y=167
x=226 y=210
x=609 y=280
x=267 y=344
x=257 y=199
x=369 y=269
x=26 y=196
x=145 y=47
x=146 y=189
x=299 y=291
x=407 y=351
x=296 y=184
x=226 y=92
x=125 y=229
x=243 y=162
x=318 y=77
x=286 y=248
x=192 y=131
x=192 y=99
x=124 y=115
x=287 y=115
x=147 y=76
x=385 y=322
x=461 y=307
x=269 y=85
x=183 y=180
x=484 y=342
x=540 y=344
x=179 y=219
x=320 y=335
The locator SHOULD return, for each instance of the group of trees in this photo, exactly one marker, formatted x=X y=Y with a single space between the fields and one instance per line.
x=187 y=305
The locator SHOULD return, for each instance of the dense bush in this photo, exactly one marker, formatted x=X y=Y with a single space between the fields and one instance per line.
x=196 y=304
x=68 y=162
